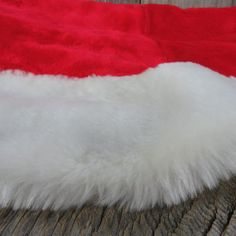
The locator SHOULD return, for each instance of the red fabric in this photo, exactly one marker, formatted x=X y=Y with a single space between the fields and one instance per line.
x=83 y=38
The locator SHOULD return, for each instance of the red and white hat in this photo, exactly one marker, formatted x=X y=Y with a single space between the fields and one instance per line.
x=133 y=104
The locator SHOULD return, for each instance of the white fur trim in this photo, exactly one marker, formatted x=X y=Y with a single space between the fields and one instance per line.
x=157 y=137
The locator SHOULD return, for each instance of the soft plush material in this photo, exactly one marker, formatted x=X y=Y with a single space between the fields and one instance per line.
x=79 y=39
x=128 y=104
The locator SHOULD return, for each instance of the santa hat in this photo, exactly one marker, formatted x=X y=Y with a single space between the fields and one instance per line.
x=134 y=104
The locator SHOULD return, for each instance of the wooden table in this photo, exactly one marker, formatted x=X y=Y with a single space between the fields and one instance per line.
x=211 y=213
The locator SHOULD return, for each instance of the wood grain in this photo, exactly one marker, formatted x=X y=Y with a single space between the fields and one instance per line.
x=212 y=213
x=193 y=3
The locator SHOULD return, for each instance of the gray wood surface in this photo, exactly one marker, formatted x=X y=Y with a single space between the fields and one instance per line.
x=194 y=3
x=212 y=213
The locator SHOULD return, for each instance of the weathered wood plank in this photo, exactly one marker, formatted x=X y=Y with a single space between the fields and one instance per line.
x=193 y=3
x=212 y=213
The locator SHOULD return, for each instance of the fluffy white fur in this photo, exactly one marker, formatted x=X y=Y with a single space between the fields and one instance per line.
x=157 y=137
